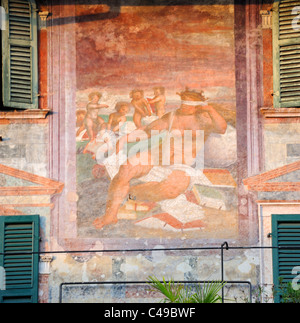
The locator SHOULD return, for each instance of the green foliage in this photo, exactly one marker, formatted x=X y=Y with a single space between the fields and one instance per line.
x=288 y=293
x=179 y=293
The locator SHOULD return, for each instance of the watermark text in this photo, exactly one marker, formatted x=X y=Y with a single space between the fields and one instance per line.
x=155 y=148
x=295 y=22
x=2 y=19
x=2 y=279
x=296 y=280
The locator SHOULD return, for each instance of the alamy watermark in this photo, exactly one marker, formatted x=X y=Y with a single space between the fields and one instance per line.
x=295 y=22
x=296 y=280
x=2 y=279
x=2 y=18
x=156 y=148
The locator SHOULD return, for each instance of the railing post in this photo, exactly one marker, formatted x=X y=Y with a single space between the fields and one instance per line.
x=225 y=244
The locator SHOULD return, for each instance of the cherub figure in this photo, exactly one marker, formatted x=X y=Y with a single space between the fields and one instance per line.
x=92 y=121
x=80 y=127
x=159 y=100
x=141 y=106
x=117 y=119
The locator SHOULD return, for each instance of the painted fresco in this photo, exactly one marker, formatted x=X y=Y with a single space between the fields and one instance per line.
x=156 y=122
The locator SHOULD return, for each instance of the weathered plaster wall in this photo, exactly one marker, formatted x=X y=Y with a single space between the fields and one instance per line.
x=281 y=144
x=180 y=267
x=25 y=146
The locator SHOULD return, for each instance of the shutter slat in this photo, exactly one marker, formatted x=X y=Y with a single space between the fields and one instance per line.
x=286 y=261
x=290 y=66
x=22 y=276
x=290 y=81
x=26 y=269
x=17 y=299
x=19 y=231
x=17 y=260
x=290 y=98
x=10 y=245
x=288 y=75
x=290 y=58
x=283 y=252
x=287 y=85
x=286 y=72
x=16 y=237
x=290 y=34
x=19 y=283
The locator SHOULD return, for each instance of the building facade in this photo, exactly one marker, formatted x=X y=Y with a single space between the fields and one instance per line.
x=148 y=138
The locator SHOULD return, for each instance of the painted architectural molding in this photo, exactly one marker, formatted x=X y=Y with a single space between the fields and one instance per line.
x=266 y=19
x=45 y=261
x=259 y=183
x=43 y=19
x=5 y=211
x=44 y=186
x=44 y=15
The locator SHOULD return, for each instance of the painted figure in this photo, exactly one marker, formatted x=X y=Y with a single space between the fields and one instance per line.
x=106 y=138
x=80 y=126
x=194 y=114
x=159 y=100
x=93 y=122
x=141 y=106
x=117 y=119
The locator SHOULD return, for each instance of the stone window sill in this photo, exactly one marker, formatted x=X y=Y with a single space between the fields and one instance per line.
x=270 y=112
x=24 y=114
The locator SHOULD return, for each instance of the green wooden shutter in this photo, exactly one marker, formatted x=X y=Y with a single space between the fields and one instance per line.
x=19 y=55
x=285 y=233
x=286 y=52
x=19 y=246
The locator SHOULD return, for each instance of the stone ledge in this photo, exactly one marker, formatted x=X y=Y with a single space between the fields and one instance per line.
x=24 y=114
x=270 y=112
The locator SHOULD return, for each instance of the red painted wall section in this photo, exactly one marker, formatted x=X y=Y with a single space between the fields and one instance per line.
x=268 y=67
x=43 y=69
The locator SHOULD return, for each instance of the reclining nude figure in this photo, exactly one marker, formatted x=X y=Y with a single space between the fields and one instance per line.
x=193 y=115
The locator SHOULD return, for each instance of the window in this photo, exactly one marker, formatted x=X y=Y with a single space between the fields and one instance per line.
x=286 y=262
x=19 y=246
x=286 y=53
x=19 y=55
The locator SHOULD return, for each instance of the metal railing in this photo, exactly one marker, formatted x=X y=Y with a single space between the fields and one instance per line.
x=222 y=248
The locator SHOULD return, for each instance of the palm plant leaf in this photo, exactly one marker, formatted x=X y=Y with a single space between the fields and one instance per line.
x=178 y=293
x=209 y=292
x=171 y=290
